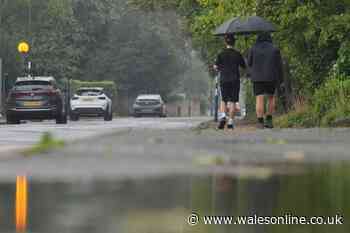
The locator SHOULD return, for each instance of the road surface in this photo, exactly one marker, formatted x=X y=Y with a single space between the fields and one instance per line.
x=156 y=147
x=17 y=137
x=149 y=175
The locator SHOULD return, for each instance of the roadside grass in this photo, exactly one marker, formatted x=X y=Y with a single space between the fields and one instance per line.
x=46 y=144
x=298 y=117
x=328 y=107
x=293 y=119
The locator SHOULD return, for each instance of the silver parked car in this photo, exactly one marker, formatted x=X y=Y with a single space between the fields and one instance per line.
x=149 y=105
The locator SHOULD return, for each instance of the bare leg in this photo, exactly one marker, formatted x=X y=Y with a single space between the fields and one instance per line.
x=232 y=109
x=260 y=111
x=237 y=107
x=270 y=112
x=223 y=107
x=272 y=105
x=223 y=115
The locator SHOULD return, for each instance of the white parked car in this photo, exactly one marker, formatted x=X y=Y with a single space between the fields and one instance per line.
x=91 y=102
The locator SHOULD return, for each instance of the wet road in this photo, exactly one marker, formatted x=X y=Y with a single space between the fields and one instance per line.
x=164 y=204
x=157 y=147
x=24 y=135
x=149 y=175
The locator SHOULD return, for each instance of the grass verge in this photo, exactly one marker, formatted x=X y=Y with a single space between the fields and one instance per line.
x=328 y=107
x=46 y=144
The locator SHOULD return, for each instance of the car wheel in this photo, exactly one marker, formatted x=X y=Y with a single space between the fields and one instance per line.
x=162 y=115
x=12 y=121
x=108 y=116
x=111 y=116
x=61 y=119
x=74 y=117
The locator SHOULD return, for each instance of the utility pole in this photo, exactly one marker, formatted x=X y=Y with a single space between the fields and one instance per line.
x=1 y=44
x=217 y=96
x=1 y=88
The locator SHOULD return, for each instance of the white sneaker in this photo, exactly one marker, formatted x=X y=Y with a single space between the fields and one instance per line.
x=222 y=116
x=230 y=124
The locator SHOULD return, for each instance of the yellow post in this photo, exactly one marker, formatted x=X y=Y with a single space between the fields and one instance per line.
x=21 y=204
x=24 y=48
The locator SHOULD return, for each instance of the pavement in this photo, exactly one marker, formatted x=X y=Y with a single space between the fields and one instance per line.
x=152 y=147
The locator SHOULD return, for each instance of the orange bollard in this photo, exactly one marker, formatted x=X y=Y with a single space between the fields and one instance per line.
x=21 y=203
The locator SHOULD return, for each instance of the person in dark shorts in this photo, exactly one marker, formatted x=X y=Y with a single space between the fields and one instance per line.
x=227 y=63
x=266 y=71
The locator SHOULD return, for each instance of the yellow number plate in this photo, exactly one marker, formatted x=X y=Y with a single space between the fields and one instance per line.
x=32 y=104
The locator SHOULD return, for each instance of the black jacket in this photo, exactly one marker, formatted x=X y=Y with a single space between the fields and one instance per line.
x=228 y=63
x=265 y=62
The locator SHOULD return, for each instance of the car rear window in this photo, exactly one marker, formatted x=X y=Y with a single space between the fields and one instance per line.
x=148 y=100
x=32 y=85
x=153 y=101
x=89 y=92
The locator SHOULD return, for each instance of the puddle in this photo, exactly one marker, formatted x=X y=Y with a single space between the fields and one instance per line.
x=162 y=205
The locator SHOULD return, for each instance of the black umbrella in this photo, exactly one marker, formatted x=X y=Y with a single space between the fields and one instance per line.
x=245 y=26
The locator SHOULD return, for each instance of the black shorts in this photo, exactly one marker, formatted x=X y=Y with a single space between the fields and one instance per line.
x=230 y=91
x=264 y=88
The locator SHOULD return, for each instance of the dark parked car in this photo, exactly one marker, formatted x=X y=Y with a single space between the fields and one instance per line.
x=149 y=105
x=35 y=98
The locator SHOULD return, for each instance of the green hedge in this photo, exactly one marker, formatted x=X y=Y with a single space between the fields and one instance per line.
x=109 y=86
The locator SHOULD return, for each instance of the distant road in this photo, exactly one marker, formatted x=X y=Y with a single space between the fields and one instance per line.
x=24 y=135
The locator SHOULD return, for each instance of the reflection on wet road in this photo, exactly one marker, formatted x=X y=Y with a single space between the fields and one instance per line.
x=161 y=205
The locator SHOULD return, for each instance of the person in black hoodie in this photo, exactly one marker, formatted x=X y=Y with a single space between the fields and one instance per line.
x=227 y=63
x=266 y=70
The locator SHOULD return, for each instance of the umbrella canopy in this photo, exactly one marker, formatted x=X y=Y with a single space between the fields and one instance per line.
x=242 y=26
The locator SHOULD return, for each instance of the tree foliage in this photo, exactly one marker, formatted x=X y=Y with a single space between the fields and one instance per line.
x=313 y=34
x=146 y=45
x=142 y=51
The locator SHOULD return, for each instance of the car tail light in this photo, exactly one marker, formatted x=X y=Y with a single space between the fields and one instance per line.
x=32 y=94
x=19 y=94
x=101 y=98
x=44 y=94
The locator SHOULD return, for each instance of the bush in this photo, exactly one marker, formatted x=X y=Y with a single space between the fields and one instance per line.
x=299 y=117
x=295 y=119
x=328 y=105
x=342 y=66
x=331 y=101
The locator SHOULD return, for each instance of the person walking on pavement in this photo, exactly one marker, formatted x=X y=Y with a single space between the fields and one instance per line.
x=227 y=63
x=266 y=72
